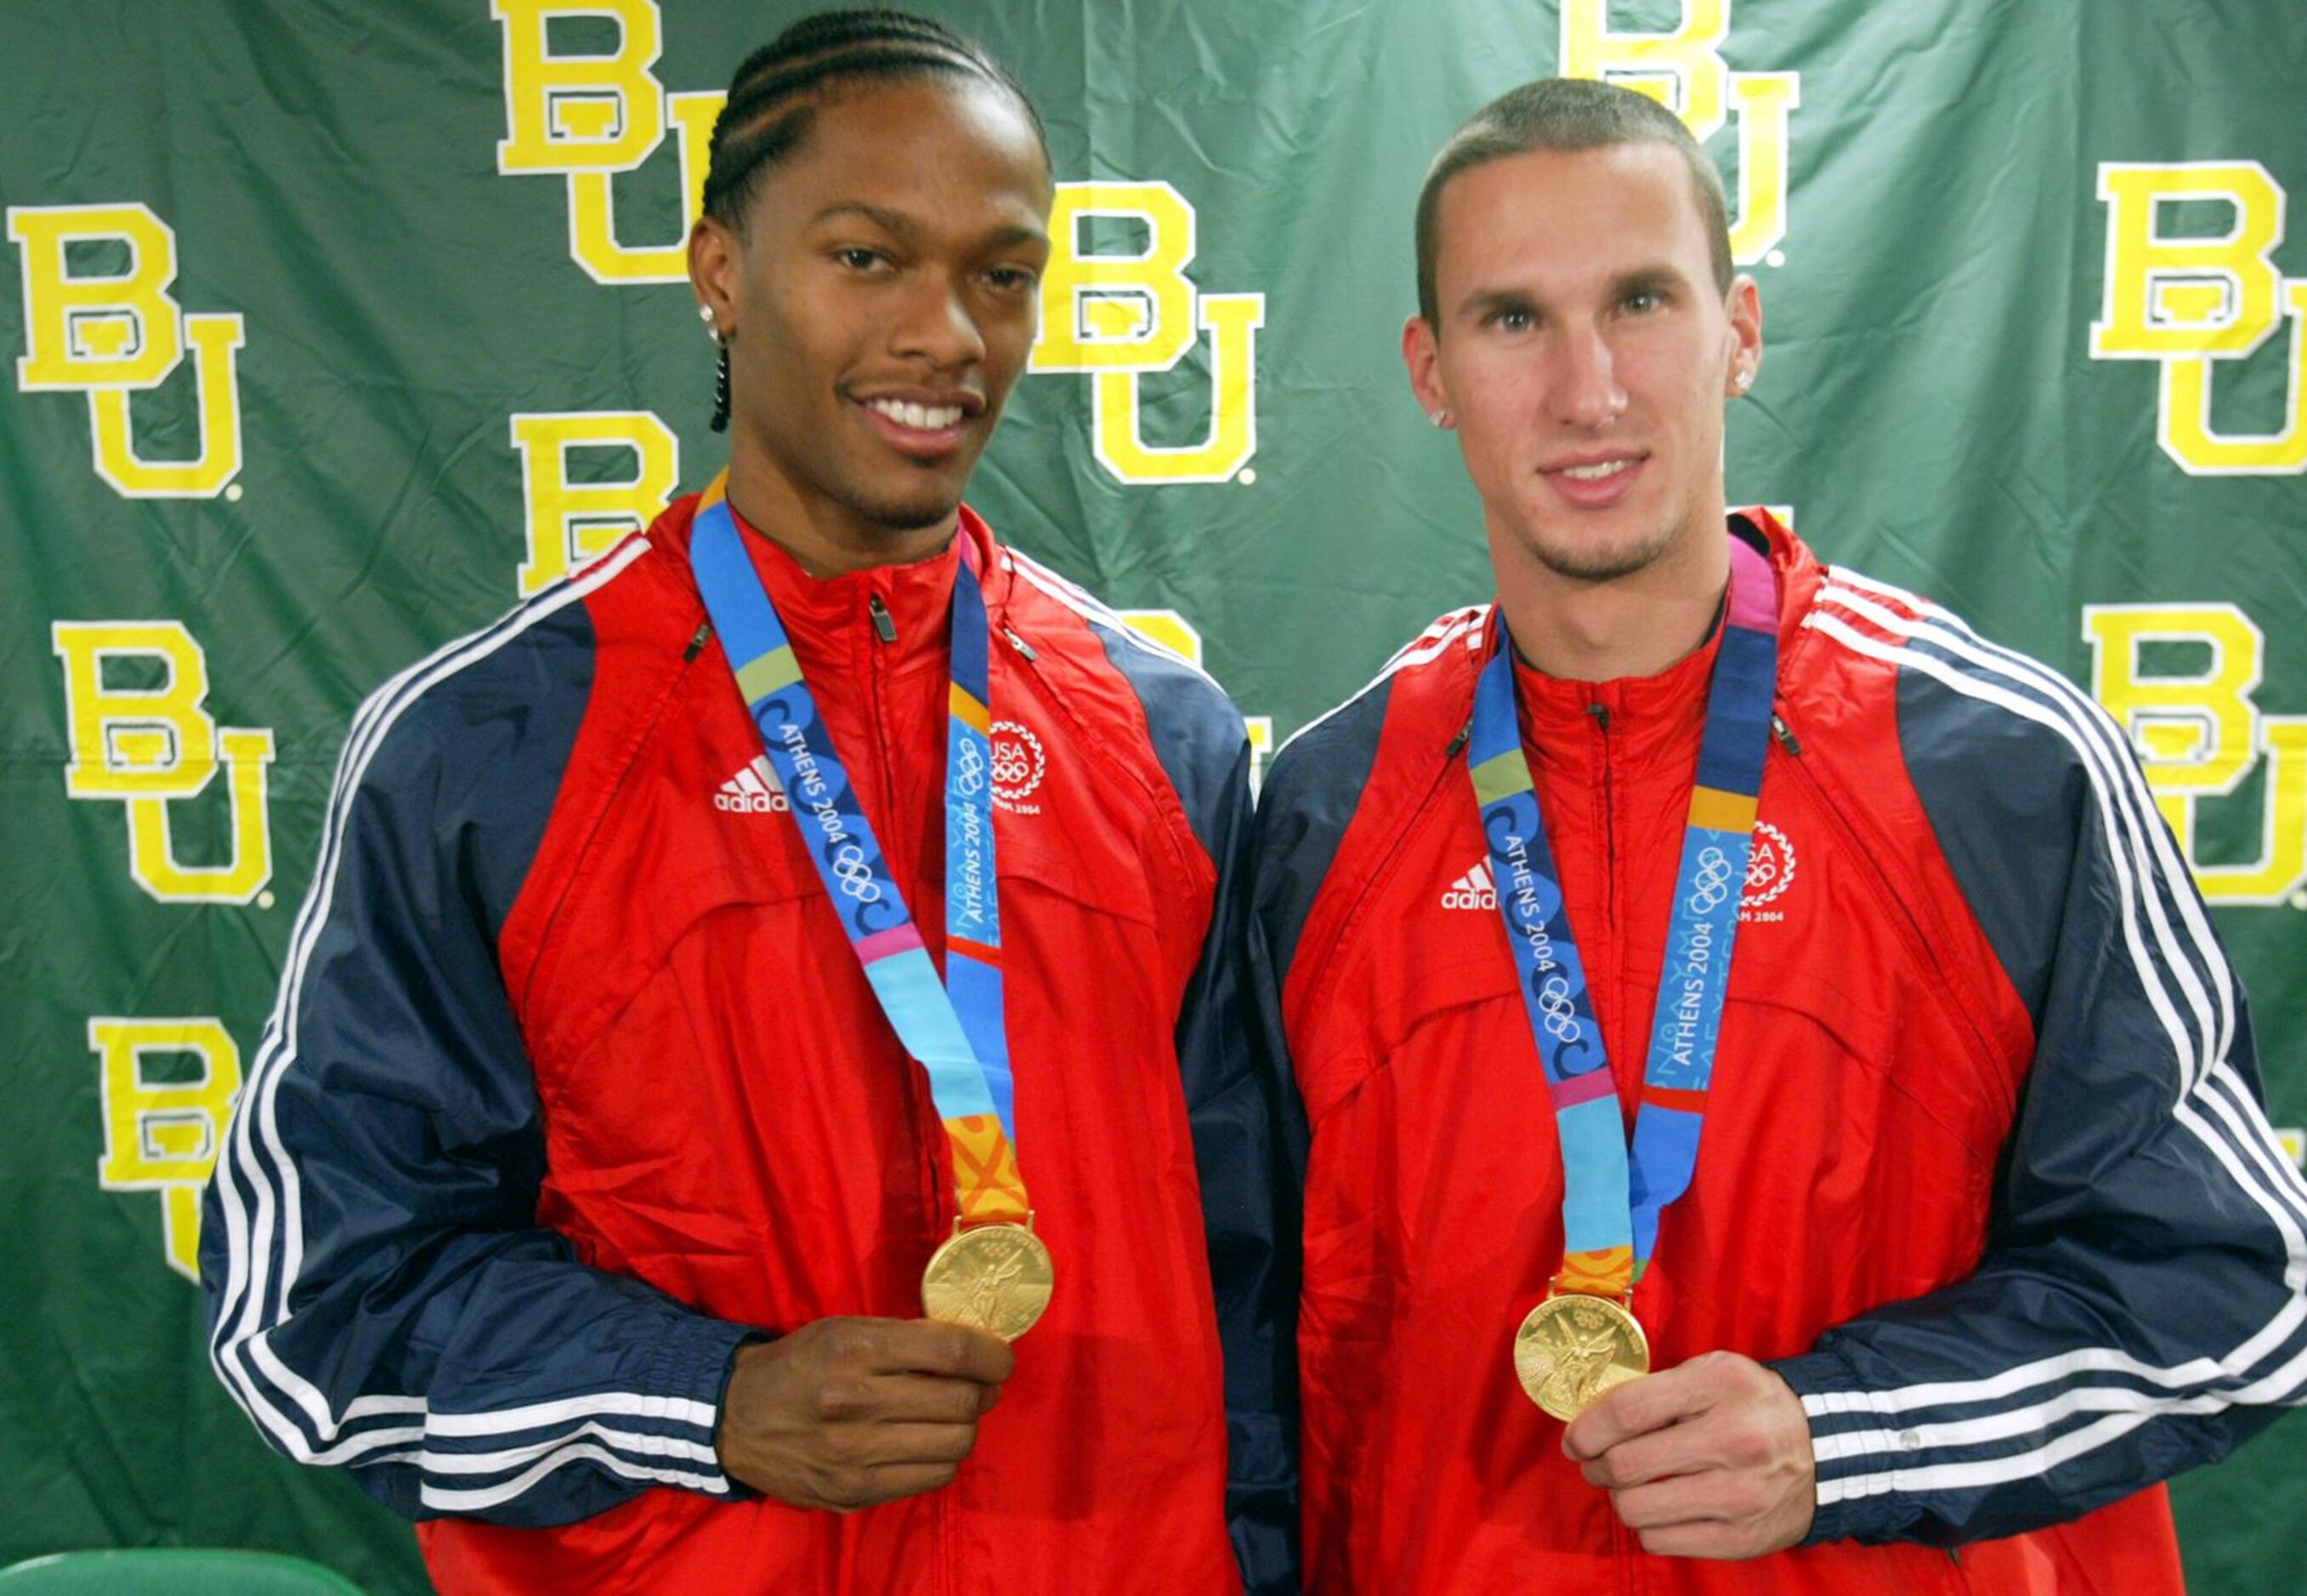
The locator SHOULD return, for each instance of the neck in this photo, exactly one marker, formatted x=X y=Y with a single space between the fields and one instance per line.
x=1631 y=626
x=829 y=539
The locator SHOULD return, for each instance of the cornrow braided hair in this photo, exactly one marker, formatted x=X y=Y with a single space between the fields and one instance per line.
x=761 y=124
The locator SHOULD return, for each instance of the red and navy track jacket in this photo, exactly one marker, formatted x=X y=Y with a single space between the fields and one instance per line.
x=574 y=1082
x=1983 y=1171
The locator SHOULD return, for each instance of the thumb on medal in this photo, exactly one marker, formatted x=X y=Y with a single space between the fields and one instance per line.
x=1641 y=1406
x=963 y=1352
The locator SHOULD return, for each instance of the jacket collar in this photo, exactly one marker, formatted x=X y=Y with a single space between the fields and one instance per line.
x=832 y=618
x=1645 y=717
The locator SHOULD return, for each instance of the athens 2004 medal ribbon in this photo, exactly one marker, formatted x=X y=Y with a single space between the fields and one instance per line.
x=993 y=1272
x=1584 y=1339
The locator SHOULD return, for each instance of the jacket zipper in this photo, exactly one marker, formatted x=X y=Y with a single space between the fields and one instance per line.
x=1601 y=714
x=932 y=1137
x=1610 y=908
x=885 y=630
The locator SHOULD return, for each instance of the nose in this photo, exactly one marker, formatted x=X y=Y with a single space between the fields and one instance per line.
x=938 y=324
x=1585 y=392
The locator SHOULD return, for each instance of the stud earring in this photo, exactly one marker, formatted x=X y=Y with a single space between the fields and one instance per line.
x=1745 y=380
x=1440 y=418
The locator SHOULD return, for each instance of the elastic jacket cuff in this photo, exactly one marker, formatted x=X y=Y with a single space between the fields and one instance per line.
x=1840 y=1427
x=694 y=1359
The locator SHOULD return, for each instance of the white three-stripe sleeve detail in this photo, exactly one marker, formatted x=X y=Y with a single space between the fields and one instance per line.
x=2206 y=1082
x=251 y=1305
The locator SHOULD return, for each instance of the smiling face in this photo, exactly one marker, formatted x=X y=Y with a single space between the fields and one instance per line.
x=1584 y=354
x=880 y=300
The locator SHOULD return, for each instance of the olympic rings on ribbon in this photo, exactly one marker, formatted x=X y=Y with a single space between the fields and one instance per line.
x=1560 y=1012
x=854 y=876
x=1711 y=883
x=969 y=767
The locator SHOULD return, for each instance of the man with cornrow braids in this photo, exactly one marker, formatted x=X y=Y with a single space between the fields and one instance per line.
x=757 y=982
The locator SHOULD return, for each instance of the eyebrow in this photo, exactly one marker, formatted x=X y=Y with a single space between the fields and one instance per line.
x=899 y=225
x=1648 y=279
x=1011 y=236
x=889 y=221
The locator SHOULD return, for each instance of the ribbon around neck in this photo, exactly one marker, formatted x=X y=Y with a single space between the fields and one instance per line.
x=953 y=1028
x=1612 y=1198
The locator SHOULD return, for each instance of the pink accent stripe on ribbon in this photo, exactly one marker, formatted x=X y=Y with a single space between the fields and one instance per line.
x=1753 y=604
x=1575 y=1089
x=896 y=939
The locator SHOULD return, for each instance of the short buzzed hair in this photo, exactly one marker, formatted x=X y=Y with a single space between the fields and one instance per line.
x=1566 y=113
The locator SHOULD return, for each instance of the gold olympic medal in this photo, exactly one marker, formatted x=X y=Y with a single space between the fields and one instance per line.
x=995 y=1277
x=1572 y=1348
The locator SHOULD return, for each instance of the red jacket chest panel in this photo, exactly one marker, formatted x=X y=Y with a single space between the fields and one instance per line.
x=730 y=1118
x=693 y=993
x=1870 y=1059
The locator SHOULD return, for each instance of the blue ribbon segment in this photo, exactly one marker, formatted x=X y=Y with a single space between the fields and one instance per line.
x=1612 y=1195
x=954 y=1028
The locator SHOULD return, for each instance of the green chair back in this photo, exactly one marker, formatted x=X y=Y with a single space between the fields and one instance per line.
x=172 y=1571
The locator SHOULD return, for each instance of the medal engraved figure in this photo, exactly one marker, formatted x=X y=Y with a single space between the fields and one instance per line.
x=1568 y=1358
x=996 y=1280
x=987 y=1307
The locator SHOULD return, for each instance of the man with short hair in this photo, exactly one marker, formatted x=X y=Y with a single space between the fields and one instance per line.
x=1687 y=833
x=811 y=914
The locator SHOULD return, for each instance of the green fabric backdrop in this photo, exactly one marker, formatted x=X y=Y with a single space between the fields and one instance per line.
x=343 y=322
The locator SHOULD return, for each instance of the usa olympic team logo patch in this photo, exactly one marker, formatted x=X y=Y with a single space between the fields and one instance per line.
x=1019 y=764
x=1769 y=872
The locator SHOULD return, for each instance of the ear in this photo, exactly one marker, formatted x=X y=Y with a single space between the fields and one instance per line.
x=1422 y=354
x=1745 y=308
x=717 y=258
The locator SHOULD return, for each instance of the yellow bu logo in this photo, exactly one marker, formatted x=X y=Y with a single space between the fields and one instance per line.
x=587 y=117
x=152 y=747
x=1684 y=70
x=2190 y=301
x=1119 y=315
x=112 y=334
x=159 y=1134
x=2200 y=734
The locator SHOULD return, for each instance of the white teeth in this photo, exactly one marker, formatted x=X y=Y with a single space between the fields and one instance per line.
x=1595 y=473
x=923 y=418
